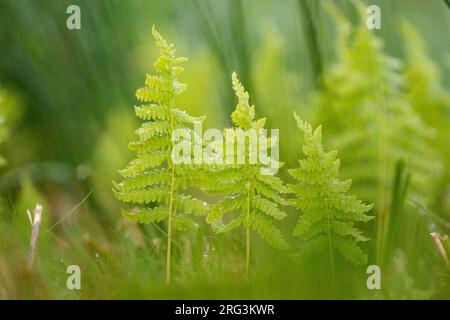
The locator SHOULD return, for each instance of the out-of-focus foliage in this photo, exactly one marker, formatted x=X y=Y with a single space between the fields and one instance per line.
x=10 y=113
x=426 y=94
x=276 y=85
x=380 y=127
x=111 y=153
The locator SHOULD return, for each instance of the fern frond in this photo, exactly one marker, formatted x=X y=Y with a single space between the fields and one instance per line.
x=244 y=115
x=424 y=89
x=327 y=211
x=153 y=178
x=251 y=198
x=362 y=106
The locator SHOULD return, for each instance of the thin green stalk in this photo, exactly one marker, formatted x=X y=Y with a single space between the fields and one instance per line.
x=169 y=222
x=330 y=244
x=382 y=165
x=67 y=214
x=247 y=256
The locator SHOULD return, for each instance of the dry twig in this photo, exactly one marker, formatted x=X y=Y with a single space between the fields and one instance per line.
x=35 y=222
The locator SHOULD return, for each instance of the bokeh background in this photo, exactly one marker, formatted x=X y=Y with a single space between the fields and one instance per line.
x=66 y=101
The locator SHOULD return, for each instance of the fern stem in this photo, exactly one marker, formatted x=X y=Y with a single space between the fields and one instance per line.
x=247 y=255
x=169 y=221
x=382 y=166
x=330 y=244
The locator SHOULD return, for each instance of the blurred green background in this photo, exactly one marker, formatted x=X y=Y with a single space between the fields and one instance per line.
x=67 y=101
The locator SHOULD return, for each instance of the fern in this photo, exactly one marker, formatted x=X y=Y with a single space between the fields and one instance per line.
x=329 y=213
x=253 y=199
x=424 y=90
x=153 y=181
x=365 y=85
x=379 y=127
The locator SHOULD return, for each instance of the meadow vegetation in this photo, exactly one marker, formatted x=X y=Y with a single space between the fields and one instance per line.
x=363 y=176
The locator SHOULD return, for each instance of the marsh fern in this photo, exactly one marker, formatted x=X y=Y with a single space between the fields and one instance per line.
x=252 y=199
x=379 y=127
x=424 y=89
x=328 y=212
x=152 y=182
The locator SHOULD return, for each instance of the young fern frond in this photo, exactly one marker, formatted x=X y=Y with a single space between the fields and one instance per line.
x=153 y=182
x=251 y=198
x=328 y=212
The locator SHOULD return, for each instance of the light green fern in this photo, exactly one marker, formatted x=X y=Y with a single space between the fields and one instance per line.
x=328 y=212
x=424 y=89
x=366 y=85
x=252 y=199
x=379 y=127
x=152 y=181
